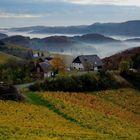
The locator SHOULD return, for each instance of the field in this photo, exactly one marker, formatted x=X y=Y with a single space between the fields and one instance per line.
x=104 y=115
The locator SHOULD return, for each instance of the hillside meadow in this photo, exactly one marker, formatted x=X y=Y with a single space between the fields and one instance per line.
x=104 y=115
x=4 y=58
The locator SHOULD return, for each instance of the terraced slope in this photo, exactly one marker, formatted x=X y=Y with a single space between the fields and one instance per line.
x=113 y=113
x=105 y=115
x=24 y=121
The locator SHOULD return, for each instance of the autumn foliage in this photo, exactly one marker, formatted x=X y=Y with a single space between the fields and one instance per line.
x=58 y=64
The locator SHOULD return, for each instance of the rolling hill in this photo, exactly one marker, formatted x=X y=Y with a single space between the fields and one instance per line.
x=113 y=61
x=133 y=40
x=61 y=43
x=15 y=50
x=2 y=36
x=95 y=38
x=5 y=57
x=129 y=28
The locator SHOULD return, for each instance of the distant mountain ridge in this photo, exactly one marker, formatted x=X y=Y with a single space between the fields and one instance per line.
x=95 y=38
x=2 y=36
x=129 y=28
x=133 y=40
x=59 y=42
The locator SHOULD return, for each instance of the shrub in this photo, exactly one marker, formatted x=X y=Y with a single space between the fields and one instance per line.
x=124 y=66
x=132 y=77
x=106 y=81
x=89 y=82
x=77 y=83
x=8 y=92
x=35 y=87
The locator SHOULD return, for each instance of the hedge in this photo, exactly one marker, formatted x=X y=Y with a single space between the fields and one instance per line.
x=77 y=83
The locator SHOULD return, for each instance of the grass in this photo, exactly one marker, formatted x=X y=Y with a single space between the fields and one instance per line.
x=105 y=115
x=5 y=57
x=15 y=50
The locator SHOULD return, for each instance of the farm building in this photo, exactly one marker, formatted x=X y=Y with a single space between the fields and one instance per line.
x=87 y=63
x=45 y=69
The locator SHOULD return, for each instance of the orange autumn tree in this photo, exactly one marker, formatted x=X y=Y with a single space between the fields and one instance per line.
x=58 y=64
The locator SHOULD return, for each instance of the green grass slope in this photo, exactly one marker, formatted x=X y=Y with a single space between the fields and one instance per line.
x=15 y=50
x=5 y=57
x=104 y=115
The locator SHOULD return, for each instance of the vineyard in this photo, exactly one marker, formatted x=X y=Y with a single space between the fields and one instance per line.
x=104 y=115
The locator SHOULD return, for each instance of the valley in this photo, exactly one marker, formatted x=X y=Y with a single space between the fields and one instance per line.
x=70 y=83
x=75 y=45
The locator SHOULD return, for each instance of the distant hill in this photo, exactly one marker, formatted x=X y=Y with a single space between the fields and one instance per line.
x=17 y=39
x=133 y=40
x=15 y=50
x=129 y=28
x=113 y=61
x=56 y=42
x=2 y=36
x=95 y=38
x=5 y=57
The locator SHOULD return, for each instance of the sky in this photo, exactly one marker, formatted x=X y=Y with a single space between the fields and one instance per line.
x=21 y=13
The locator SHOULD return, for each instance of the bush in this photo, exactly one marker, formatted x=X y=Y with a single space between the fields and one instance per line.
x=8 y=92
x=106 y=81
x=35 y=87
x=89 y=82
x=124 y=66
x=77 y=83
x=132 y=77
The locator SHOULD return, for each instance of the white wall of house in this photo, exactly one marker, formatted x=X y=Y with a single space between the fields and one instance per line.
x=77 y=66
x=48 y=74
x=35 y=55
x=96 y=69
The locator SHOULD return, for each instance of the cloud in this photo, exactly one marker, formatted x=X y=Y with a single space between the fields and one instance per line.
x=107 y=2
x=110 y=2
x=15 y=15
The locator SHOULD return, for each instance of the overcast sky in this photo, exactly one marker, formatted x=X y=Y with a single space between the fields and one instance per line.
x=116 y=2
x=15 y=13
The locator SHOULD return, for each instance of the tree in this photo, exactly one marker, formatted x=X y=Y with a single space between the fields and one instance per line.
x=124 y=66
x=58 y=64
x=42 y=54
x=16 y=72
x=136 y=61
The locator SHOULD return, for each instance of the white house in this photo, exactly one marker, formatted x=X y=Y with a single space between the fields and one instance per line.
x=87 y=62
x=35 y=55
